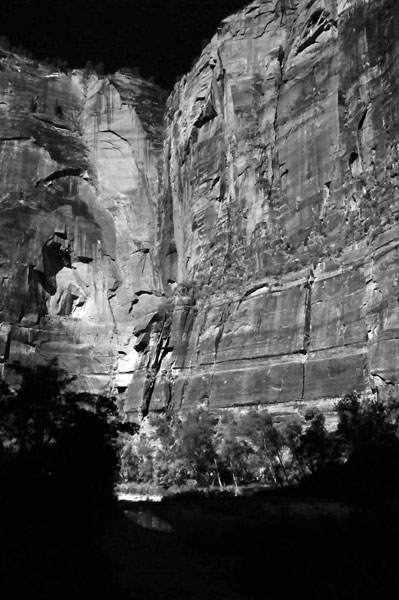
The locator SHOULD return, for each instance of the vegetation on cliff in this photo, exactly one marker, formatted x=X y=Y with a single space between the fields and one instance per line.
x=202 y=450
x=56 y=444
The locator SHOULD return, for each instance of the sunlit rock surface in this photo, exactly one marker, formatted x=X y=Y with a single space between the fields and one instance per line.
x=79 y=188
x=280 y=212
x=242 y=251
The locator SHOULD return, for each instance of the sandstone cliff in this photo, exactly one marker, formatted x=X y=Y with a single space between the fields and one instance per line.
x=80 y=181
x=280 y=210
x=245 y=253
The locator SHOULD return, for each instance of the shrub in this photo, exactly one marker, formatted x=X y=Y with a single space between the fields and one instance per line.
x=239 y=449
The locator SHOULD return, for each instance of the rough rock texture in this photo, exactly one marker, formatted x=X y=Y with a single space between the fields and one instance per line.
x=79 y=186
x=280 y=211
x=250 y=260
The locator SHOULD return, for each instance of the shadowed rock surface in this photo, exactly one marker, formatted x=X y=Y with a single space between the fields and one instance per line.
x=243 y=251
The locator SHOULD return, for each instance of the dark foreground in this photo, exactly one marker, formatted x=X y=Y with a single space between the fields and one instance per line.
x=268 y=546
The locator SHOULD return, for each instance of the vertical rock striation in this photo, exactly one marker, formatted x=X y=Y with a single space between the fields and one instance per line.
x=79 y=162
x=280 y=213
x=238 y=246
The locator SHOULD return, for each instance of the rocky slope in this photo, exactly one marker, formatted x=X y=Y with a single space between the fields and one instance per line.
x=247 y=253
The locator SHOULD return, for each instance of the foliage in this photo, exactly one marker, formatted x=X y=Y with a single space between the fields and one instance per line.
x=32 y=417
x=202 y=449
x=234 y=460
x=243 y=447
x=365 y=422
x=314 y=448
x=195 y=445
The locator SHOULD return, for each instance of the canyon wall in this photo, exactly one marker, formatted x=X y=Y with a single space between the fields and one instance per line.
x=280 y=212
x=80 y=161
x=237 y=247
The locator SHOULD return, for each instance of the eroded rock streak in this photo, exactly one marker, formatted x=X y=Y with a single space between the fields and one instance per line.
x=245 y=250
x=79 y=186
x=280 y=209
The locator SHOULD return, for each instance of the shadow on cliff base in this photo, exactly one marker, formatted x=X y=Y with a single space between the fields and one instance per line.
x=62 y=536
x=274 y=545
x=331 y=536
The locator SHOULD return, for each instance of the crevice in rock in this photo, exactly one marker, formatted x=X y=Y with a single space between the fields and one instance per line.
x=362 y=119
x=115 y=134
x=111 y=310
x=256 y=288
x=84 y=259
x=132 y=304
x=306 y=331
x=275 y=161
x=142 y=250
x=59 y=113
x=21 y=313
x=50 y=122
x=207 y=114
x=250 y=10
x=144 y=292
x=385 y=381
x=162 y=348
x=17 y=139
x=215 y=182
x=318 y=23
x=105 y=254
x=68 y=172
x=284 y=173
x=308 y=314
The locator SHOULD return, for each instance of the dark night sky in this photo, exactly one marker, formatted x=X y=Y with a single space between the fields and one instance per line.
x=161 y=37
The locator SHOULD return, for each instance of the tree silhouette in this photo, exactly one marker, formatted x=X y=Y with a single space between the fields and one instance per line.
x=58 y=466
x=58 y=450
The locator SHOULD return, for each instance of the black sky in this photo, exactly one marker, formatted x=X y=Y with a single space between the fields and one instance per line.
x=160 y=37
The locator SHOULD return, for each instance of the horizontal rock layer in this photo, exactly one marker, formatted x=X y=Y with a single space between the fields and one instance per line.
x=237 y=247
x=280 y=212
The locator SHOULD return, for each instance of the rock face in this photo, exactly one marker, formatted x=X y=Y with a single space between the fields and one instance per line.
x=280 y=210
x=246 y=253
x=79 y=187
